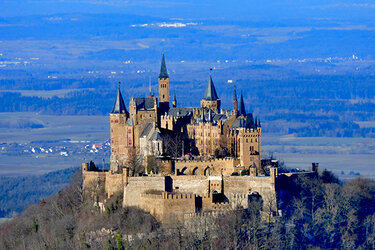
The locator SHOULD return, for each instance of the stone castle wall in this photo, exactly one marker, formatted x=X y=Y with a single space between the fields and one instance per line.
x=206 y=167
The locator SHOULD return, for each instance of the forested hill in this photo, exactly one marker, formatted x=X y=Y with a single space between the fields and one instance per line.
x=16 y=193
x=318 y=213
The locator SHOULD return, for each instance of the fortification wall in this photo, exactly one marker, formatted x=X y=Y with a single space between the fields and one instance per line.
x=262 y=185
x=152 y=203
x=167 y=207
x=248 y=184
x=205 y=167
x=139 y=185
x=90 y=177
x=114 y=183
x=190 y=184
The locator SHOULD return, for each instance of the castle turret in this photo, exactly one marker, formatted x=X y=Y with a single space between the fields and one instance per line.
x=119 y=105
x=242 y=110
x=210 y=99
x=209 y=116
x=235 y=104
x=163 y=88
x=122 y=132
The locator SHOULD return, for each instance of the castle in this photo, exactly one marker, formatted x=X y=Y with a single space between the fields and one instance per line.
x=179 y=163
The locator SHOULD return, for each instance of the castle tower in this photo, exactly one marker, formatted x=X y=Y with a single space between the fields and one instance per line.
x=163 y=88
x=174 y=101
x=235 y=106
x=210 y=99
x=122 y=134
x=242 y=110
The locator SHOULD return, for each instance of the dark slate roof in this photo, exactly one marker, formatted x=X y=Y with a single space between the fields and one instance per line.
x=174 y=96
x=156 y=136
x=119 y=106
x=244 y=122
x=146 y=130
x=144 y=103
x=242 y=110
x=210 y=93
x=180 y=111
x=212 y=117
x=163 y=69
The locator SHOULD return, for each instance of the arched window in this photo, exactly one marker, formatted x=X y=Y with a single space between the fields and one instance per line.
x=195 y=171
x=183 y=171
x=207 y=171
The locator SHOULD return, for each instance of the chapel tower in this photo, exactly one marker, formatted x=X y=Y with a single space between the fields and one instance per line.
x=122 y=133
x=163 y=88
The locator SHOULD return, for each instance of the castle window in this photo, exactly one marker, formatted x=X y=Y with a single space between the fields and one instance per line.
x=247 y=141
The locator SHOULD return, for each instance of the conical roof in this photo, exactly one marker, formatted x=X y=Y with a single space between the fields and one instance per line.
x=242 y=110
x=210 y=93
x=163 y=69
x=119 y=106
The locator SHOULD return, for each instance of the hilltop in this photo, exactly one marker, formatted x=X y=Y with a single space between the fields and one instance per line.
x=322 y=213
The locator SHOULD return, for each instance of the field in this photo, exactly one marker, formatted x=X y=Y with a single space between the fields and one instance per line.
x=347 y=157
x=59 y=133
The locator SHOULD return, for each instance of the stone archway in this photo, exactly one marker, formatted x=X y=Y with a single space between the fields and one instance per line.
x=195 y=171
x=207 y=171
x=183 y=171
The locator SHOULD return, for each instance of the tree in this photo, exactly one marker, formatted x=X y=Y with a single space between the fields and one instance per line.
x=135 y=164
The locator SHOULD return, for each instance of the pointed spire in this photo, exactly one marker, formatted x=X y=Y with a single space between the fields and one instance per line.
x=259 y=123
x=209 y=116
x=203 y=119
x=119 y=106
x=210 y=93
x=163 y=69
x=235 y=104
x=242 y=110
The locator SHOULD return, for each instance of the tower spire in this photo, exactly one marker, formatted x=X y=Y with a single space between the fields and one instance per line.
x=209 y=116
x=119 y=105
x=163 y=68
x=210 y=93
x=163 y=88
x=235 y=104
x=242 y=110
x=203 y=119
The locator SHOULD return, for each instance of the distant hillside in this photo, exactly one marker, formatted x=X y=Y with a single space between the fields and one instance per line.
x=16 y=193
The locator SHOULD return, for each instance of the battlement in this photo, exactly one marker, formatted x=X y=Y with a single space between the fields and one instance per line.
x=239 y=196
x=169 y=196
x=223 y=160
x=221 y=206
x=204 y=214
